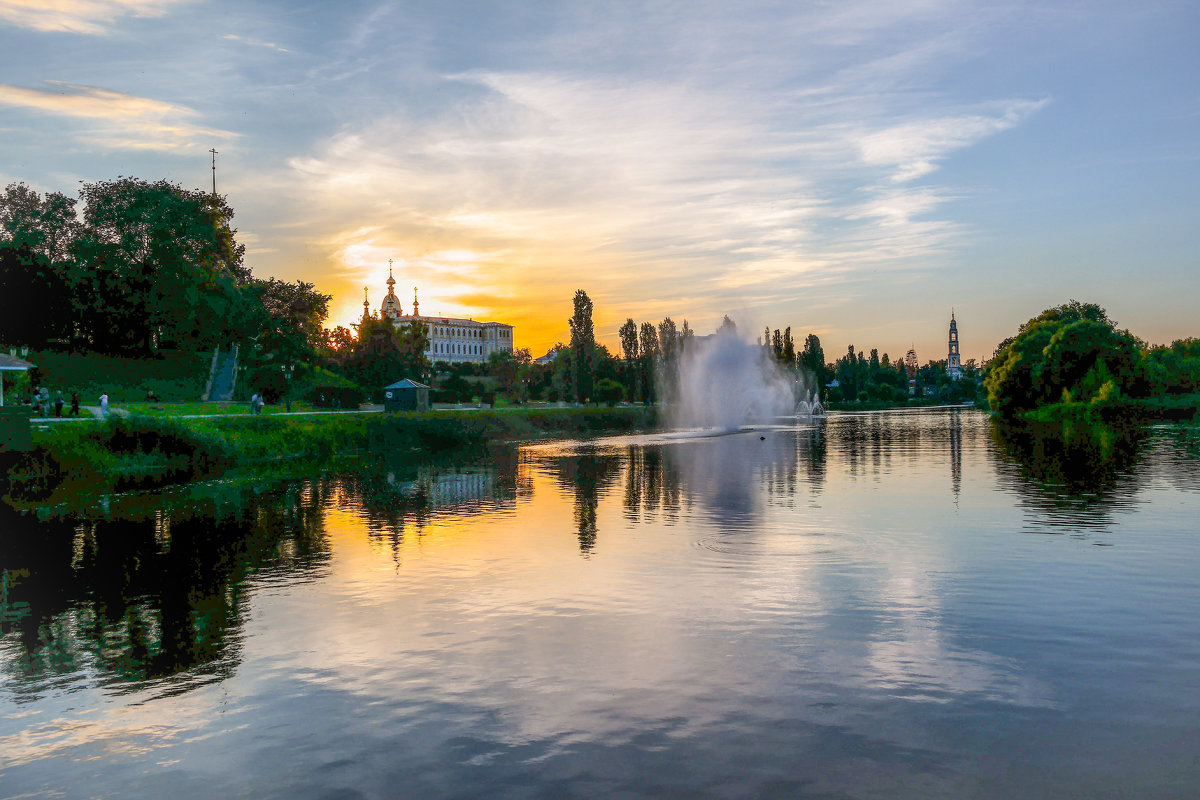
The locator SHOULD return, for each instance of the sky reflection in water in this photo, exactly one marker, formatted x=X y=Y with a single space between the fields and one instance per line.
x=862 y=608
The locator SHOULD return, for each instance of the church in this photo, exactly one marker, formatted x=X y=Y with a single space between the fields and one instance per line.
x=451 y=339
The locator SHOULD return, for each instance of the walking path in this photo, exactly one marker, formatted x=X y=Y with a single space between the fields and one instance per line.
x=93 y=413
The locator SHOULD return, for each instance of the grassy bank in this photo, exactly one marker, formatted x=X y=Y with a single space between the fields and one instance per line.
x=1162 y=407
x=140 y=452
x=172 y=375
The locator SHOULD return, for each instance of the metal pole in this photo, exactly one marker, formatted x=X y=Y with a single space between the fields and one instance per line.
x=214 y=170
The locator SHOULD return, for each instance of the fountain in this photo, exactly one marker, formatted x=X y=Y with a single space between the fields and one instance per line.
x=726 y=383
x=807 y=409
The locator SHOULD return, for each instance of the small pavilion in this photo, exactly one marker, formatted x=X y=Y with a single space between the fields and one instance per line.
x=10 y=363
x=406 y=395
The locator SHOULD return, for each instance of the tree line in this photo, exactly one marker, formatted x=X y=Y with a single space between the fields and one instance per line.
x=132 y=267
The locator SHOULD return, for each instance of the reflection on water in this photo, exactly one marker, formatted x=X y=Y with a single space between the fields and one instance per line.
x=849 y=609
x=1075 y=475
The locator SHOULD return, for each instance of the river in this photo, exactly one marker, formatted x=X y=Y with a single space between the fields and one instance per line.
x=894 y=605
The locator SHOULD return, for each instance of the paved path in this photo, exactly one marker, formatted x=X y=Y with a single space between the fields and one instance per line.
x=93 y=413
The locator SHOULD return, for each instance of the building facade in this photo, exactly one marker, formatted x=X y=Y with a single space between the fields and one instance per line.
x=451 y=339
x=953 y=359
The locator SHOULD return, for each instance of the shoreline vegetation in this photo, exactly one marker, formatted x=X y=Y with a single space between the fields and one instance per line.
x=143 y=452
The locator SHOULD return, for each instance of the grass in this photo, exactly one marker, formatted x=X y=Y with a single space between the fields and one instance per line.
x=145 y=451
x=174 y=375
x=197 y=408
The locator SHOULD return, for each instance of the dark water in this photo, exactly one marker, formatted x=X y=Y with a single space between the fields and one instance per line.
x=891 y=605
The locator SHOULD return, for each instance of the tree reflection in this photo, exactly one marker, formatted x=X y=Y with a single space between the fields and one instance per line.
x=1072 y=472
x=590 y=473
x=151 y=596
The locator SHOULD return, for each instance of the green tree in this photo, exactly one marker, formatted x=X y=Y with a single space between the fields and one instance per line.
x=629 y=347
x=1072 y=353
x=48 y=224
x=813 y=359
x=583 y=340
x=648 y=347
x=31 y=295
x=156 y=263
x=509 y=368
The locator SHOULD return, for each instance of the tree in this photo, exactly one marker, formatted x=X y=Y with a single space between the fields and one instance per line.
x=629 y=346
x=31 y=298
x=583 y=340
x=156 y=263
x=1071 y=353
x=47 y=225
x=509 y=367
x=287 y=319
x=648 y=345
x=727 y=325
x=788 y=353
x=813 y=359
x=629 y=340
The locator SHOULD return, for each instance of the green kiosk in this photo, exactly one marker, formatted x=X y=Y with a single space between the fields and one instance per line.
x=406 y=395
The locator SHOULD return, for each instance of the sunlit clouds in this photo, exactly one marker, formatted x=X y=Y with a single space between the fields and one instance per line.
x=854 y=170
x=78 y=16
x=114 y=119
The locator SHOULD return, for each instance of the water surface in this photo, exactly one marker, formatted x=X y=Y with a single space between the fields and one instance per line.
x=882 y=605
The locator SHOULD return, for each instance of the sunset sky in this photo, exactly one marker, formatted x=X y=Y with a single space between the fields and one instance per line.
x=854 y=169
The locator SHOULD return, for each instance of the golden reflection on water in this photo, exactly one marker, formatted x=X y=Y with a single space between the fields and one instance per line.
x=846 y=578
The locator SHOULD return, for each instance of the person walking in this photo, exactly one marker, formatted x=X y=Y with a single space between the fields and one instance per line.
x=262 y=401
x=254 y=403
x=74 y=404
x=103 y=405
x=58 y=404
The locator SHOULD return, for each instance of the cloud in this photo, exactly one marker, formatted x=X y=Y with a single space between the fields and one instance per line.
x=77 y=16
x=659 y=165
x=233 y=37
x=912 y=149
x=124 y=121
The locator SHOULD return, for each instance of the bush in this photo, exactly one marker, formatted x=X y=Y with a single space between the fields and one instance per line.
x=609 y=392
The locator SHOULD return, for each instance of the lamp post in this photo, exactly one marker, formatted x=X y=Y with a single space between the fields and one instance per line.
x=287 y=370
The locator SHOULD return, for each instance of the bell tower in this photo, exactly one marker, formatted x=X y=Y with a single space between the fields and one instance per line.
x=953 y=359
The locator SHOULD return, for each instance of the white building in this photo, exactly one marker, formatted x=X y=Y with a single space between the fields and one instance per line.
x=451 y=339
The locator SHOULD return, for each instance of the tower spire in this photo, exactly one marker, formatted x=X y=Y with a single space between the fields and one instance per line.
x=416 y=306
x=366 y=305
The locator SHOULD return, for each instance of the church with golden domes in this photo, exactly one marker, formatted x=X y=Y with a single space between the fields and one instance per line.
x=451 y=339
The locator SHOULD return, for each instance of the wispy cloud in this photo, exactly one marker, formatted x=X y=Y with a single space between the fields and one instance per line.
x=121 y=121
x=233 y=37
x=913 y=148
x=78 y=16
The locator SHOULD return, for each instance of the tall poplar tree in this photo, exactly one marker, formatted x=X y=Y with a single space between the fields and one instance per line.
x=583 y=343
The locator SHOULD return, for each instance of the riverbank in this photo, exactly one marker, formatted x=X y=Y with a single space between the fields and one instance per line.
x=143 y=452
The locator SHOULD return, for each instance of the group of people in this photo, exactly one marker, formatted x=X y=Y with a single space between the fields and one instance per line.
x=43 y=404
x=256 y=403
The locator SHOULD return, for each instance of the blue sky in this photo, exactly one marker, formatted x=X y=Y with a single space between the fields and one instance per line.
x=851 y=169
